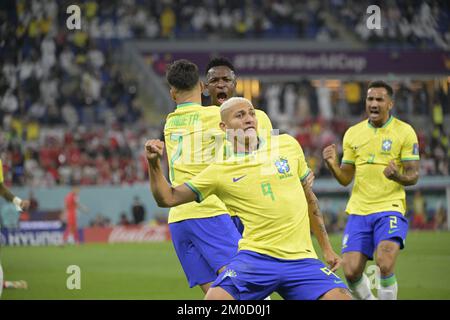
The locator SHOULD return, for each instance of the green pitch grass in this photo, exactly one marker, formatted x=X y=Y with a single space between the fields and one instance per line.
x=152 y=271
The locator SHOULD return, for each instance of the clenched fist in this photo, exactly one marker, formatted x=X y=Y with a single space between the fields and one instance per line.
x=329 y=154
x=25 y=204
x=154 y=149
x=391 y=171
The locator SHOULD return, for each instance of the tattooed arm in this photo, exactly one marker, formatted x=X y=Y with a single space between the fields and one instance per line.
x=410 y=175
x=319 y=230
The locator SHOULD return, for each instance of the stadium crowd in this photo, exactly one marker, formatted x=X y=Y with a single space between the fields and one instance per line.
x=410 y=23
x=64 y=104
x=405 y=24
x=70 y=115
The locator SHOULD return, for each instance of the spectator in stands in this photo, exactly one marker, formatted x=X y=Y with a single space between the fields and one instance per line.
x=324 y=101
x=34 y=206
x=168 y=22
x=138 y=211
x=124 y=219
x=419 y=209
x=100 y=221
x=440 y=217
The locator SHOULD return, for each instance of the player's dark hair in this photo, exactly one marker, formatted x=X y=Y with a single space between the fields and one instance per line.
x=382 y=84
x=219 y=62
x=182 y=75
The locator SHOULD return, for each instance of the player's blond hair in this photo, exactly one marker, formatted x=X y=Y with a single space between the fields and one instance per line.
x=232 y=102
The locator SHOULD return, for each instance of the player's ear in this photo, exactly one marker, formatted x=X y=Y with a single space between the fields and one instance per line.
x=233 y=75
x=234 y=83
x=173 y=94
x=202 y=86
x=223 y=126
x=391 y=104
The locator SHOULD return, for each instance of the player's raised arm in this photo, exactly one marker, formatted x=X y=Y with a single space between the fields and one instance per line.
x=318 y=225
x=164 y=194
x=343 y=173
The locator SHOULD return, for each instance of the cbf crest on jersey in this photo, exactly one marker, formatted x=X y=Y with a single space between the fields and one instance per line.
x=283 y=168
x=386 y=146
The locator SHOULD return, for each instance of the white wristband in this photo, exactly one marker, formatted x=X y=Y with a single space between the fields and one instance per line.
x=17 y=201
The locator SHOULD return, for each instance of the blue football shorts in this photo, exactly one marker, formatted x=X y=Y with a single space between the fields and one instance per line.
x=204 y=245
x=364 y=233
x=254 y=276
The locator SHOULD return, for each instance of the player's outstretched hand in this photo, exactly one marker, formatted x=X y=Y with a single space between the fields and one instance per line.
x=391 y=171
x=154 y=149
x=333 y=260
x=329 y=154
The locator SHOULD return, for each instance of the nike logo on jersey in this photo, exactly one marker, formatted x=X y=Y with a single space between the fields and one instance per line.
x=239 y=178
x=393 y=230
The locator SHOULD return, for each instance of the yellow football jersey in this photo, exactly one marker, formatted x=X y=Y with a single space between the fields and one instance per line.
x=1 y=171
x=193 y=141
x=264 y=189
x=371 y=149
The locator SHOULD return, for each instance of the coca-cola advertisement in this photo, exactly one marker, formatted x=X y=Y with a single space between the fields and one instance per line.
x=122 y=234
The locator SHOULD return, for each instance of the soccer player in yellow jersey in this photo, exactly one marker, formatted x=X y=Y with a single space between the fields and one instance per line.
x=220 y=84
x=20 y=205
x=382 y=154
x=203 y=234
x=263 y=186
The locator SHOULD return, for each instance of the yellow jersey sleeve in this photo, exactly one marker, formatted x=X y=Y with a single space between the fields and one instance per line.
x=1 y=171
x=303 y=168
x=410 y=147
x=205 y=183
x=349 y=156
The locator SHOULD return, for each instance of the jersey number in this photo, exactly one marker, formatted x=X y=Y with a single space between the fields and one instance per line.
x=392 y=222
x=328 y=272
x=177 y=154
x=266 y=189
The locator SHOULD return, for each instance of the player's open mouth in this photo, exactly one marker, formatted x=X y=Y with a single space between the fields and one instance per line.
x=221 y=97
x=246 y=129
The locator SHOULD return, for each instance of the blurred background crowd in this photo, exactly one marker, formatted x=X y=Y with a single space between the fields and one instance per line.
x=70 y=113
